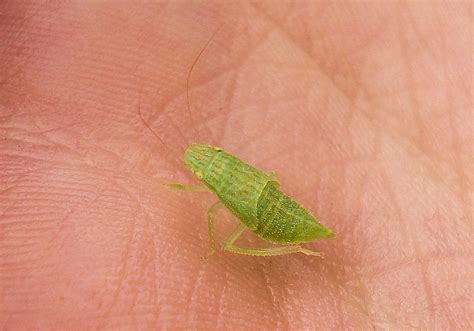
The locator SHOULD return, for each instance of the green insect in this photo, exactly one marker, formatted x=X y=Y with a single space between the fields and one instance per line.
x=253 y=196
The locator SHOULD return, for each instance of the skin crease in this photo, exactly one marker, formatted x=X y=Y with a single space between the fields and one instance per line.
x=363 y=110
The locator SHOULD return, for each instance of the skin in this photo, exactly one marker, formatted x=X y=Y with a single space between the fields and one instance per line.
x=363 y=110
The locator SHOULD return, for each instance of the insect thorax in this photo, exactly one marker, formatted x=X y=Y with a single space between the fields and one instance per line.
x=237 y=184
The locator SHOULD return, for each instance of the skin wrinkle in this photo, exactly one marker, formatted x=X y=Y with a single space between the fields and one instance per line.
x=414 y=106
x=30 y=157
x=457 y=162
x=360 y=302
x=414 y=244
x=388 y=268
x=422 y=39
x=338 y=215
x=144 y=264
x=194 y=283
x=316 y=64
x=433 y=167
x=220 y=302
x=122 y=265
x=363 y=113
x=277 y=309
x=411 y=82
x=121 y=273
x=423 y=263
x=382 y=268
x=458 y=235
x=14 y=72
x=155 y=302
x=364 y=293
x=311 y=58
x=444 y=307
x=337 y=277
x=37 y=145
x=247 y=276
x=44 y=255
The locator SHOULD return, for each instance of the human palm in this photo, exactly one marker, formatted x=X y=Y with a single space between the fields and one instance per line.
x=364 y=111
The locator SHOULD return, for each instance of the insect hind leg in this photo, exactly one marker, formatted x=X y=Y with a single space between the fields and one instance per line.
x=283 y=250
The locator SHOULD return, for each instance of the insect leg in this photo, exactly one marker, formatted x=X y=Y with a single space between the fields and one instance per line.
x=210 y=224
x=188 y=188
x=229 y=246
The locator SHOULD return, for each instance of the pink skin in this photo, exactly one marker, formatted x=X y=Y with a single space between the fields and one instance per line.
x=363 y=110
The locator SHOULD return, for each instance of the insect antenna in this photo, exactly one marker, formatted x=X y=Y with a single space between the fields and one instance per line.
x=188 y=79
x=176 y=158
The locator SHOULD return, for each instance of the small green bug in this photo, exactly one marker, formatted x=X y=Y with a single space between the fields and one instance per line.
x=254 y=197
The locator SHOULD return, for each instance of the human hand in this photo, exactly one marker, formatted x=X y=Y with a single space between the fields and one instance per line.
x=363 y=111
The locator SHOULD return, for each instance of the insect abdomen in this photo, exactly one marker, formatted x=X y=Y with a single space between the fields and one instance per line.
x=282 y=220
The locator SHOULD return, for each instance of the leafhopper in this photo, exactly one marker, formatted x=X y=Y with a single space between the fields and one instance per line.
x=254 y=197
